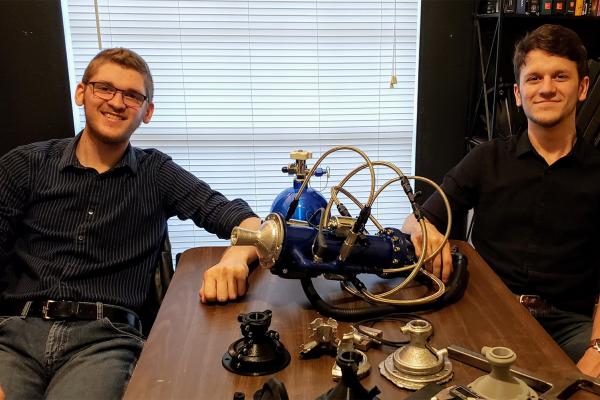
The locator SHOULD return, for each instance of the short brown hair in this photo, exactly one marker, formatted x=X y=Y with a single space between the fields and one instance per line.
x=127 y=59
x=553 y=39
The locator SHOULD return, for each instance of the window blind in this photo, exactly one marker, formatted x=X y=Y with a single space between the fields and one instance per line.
x=240 y=84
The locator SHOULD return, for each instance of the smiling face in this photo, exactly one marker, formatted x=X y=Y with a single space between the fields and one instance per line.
x=549 y=89
x=111 y=121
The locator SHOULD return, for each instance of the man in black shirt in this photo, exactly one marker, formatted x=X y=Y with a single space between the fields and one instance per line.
x=536 y=197
x=81 y=222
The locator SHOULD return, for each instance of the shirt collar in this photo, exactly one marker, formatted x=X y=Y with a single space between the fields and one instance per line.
x=524 y=146
x=69 y=158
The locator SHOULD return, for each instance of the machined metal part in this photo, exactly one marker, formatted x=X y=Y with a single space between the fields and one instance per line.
x=324 y=339
x=348 y=345
x=364 y=342
x=348 y=386
x=559 y=390
x=500 y=384
x=477 y=360
x=456 y=392
x=268 y=240
x=259 y=351
x=364 y=367
x=341 y=225
x=415 y=365
x=298 y=222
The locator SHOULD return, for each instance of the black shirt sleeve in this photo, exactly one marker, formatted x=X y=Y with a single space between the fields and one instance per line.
x=461 y=186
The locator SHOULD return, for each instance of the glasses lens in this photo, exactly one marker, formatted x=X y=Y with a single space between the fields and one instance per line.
x=103 y=90
x=133 y=99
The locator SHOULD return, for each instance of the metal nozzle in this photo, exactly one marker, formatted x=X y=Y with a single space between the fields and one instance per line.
x=244 y=237
x=267 y=239
x=347 y=246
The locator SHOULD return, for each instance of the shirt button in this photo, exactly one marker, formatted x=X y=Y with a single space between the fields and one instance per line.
x=80 y=238
x=91 y=212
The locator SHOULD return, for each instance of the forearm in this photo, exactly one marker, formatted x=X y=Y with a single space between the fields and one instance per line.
x=590 y=362
x=227 y=280
x=245 y=254
x=596 y=326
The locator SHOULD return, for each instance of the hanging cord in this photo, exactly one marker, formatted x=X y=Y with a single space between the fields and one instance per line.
x=394 y=79
x=98 y=33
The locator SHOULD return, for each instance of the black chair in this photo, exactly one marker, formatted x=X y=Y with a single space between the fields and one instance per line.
x=158 y=288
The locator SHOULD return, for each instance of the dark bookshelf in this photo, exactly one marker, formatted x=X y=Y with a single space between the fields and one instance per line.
x=550 y=17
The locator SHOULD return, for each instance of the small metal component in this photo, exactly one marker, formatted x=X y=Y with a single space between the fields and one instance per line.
x=325 y=340
x=335 y=277
x=341 y=225
x=259 y=351
x=477 y=360
x=464 y=393
x=563 y=389
x=297 y=222
x=363 y=342
x=364 y=367
x=268 y=239
x=456 y=392
x=346 y=248
x=348 y=386
x=300 y=155
x=415 y=365
x=347 y=344
x=500 y=382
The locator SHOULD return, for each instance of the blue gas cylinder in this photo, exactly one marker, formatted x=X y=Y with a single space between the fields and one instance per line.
x=311 y=201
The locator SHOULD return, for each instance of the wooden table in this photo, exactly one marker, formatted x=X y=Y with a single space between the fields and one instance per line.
x=182 y=357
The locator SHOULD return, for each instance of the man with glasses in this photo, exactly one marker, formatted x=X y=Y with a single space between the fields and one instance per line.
x=81 y=222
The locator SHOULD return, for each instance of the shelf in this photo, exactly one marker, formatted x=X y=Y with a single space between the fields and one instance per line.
x=555 y=17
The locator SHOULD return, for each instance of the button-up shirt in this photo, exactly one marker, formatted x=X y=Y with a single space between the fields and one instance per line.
x=536 y=225
x=68 y=232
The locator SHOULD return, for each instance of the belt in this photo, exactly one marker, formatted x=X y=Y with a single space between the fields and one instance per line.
x=75 y=310
x=537 y=306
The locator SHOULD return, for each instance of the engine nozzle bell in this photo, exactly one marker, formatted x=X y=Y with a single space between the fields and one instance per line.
x=268 y=239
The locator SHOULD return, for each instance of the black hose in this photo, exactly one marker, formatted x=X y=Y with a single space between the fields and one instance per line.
x=454 y=291
x=342 y=314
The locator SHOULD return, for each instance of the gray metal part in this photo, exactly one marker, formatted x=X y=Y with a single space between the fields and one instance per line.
x=561 y=390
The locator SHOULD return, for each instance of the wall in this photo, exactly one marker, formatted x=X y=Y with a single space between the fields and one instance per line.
x=445 y=73
x=35 y=102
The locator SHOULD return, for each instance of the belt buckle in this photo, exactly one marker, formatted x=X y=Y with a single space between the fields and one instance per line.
x=46 y=307
x=526 y=299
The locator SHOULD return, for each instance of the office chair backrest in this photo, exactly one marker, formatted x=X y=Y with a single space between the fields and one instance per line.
x=161 y=279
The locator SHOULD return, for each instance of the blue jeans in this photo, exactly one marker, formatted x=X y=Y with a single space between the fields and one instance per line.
x=51 y=359
x=572 y=331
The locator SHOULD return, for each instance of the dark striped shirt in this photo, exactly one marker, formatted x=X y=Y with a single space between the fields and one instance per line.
x=67 y=232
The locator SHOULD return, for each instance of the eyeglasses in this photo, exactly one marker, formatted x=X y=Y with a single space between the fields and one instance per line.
x=105 y=91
